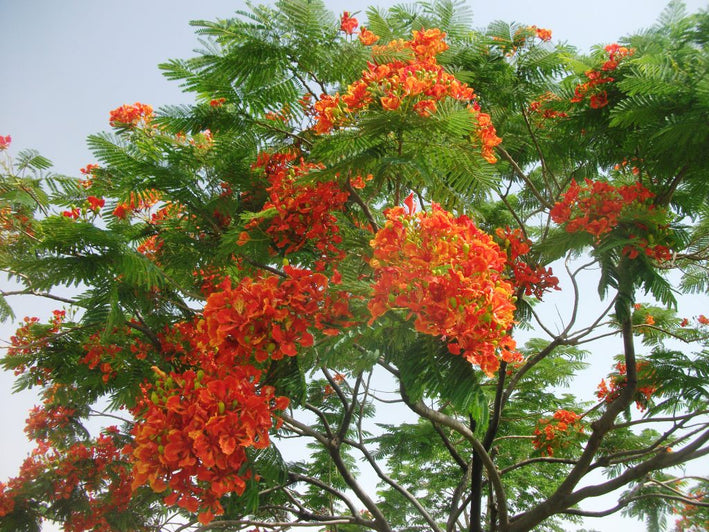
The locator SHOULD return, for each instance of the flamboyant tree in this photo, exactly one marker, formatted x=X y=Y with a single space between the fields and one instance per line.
x=353 y=286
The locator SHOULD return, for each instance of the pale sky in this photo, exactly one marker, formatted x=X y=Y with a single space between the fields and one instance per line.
x=66 y=64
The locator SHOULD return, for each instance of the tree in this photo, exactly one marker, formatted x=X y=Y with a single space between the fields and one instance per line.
x=353 y=220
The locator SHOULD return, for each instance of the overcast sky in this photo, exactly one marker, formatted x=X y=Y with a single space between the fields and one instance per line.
x=66 y=64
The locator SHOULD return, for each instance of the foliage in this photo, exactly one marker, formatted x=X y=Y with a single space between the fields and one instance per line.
x=337 y=269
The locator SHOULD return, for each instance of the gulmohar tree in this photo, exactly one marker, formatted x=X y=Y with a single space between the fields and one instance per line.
x=354 y=222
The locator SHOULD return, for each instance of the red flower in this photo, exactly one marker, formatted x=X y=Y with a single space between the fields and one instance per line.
x=5 y=142
x=599 y=100
x=121 y=211
x=95 y=203
x=131 y=115
x=192 y=431
x=304 y=210
x=73 y=213
x=348 y=24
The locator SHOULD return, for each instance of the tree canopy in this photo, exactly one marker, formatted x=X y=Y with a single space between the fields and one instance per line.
x=360 y=283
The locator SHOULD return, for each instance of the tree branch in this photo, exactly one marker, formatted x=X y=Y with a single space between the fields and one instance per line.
x=401 y=489
x=438 y=417
x=518 y=171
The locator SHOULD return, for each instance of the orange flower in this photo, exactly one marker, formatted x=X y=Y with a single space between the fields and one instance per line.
x=192 y=429
x=5 y=142
x=270 y=317
x=425 y=107
x=447 y=275
x=131 y=115
x=366 y=37
x=647 y=384
x=415 y=84
x=390 y=103
x=541 y=33
x=429 y=43
x=558 y=432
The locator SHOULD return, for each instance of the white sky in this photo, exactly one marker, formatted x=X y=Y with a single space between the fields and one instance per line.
x=66 y=64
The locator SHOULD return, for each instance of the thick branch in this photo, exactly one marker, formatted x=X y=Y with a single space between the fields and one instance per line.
x=438 y=417
x=562 y=498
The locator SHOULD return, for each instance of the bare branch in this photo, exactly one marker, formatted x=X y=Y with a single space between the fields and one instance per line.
x=438 y=417
x=518 y=171
x=398 y=487
x=31 y=292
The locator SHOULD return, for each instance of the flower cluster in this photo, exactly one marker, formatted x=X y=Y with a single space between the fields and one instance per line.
x=269 y=317
x=89 y=172
x=593 y=88
x=100 y=354
x=522 y=38
x=15 y=224
x=647 y=384
x=543 y=108
x=43 y=421
x=137 y=202
x=94 y=473
x=303 y=211
x=692 y=517
x=598 y=208
x=131 y=116
x=541 y=33
x=448 y=274
x=558 y=432
x=92 y=205
x=417 y=84
x=534 y=279
x=5 y=142
x=192 y=433
x=615 y=54
x=27 y=343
